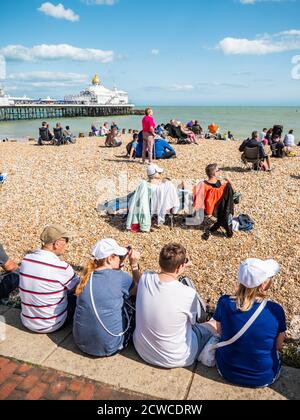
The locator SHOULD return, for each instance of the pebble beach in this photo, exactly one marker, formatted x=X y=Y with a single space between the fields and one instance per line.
x=50 y=184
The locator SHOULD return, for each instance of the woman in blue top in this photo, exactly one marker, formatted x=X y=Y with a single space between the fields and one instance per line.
x=252 y=360
x=102 y=326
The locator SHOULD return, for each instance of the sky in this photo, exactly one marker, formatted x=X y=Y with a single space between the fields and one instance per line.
x=163 y=52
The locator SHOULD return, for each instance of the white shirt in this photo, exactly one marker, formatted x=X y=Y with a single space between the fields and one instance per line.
x=44 y=283
x=165 y=313
x=289 y=140
x=262 y=136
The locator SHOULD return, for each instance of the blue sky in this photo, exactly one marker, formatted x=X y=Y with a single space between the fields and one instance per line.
x=163 y=52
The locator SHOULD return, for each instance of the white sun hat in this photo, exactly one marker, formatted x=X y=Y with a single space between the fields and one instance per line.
x=254 y=272
x=153 y=170
x=106 y=248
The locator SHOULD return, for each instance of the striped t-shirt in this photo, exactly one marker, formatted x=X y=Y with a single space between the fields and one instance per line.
x=44 y=284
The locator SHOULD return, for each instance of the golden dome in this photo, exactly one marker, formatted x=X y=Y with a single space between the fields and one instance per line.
x=96 y=80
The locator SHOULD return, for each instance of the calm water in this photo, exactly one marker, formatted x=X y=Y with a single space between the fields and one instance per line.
x=241 y=121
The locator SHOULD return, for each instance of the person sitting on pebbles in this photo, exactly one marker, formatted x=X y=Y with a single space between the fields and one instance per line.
x=47 y=284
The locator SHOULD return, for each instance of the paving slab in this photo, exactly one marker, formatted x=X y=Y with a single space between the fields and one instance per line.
x=123 y=371
x=3 y=309
x=24 y=345
x=208 y=385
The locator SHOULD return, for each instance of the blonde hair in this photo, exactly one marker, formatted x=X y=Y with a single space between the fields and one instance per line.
x=90 y=267
x=245 y=298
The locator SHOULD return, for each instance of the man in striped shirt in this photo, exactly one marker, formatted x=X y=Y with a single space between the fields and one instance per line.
x=47 y=284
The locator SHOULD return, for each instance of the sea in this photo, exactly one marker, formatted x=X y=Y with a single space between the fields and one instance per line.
x=241 y=121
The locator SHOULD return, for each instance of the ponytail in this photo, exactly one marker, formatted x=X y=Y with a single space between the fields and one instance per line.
x=245 y=298
x=90 y=267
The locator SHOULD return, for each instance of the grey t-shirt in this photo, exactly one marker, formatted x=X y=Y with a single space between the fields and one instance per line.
x=3 y=256
x=109 y=290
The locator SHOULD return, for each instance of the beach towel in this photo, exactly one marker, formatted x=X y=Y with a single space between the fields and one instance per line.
x=206 y=197
x=140 y=208
x=164 y=199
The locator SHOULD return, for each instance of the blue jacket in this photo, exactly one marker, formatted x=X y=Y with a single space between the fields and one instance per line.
x=161 y=148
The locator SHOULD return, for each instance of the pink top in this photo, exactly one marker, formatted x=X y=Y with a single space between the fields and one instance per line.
x=148 y=122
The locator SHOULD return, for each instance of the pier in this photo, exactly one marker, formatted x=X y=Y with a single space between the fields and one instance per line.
x=53 y=111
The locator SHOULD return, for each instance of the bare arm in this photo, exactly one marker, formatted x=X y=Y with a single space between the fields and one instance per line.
x=134 y=257
x=280 y=341
x=10 y=266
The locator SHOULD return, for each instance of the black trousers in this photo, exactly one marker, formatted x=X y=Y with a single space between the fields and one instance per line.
x=8 y=283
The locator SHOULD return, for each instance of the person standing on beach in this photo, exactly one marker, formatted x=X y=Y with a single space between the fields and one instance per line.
x=148 y=135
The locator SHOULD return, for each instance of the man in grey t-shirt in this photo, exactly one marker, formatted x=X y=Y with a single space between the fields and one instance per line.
x=9 y=279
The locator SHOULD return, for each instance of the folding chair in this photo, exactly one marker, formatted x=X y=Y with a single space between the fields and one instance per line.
x=251 y=156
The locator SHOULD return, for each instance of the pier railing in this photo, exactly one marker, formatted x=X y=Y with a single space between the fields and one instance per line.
x=57 y=111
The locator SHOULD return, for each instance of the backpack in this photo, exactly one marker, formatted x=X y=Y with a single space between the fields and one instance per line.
x=201 y=305
x=246 y=224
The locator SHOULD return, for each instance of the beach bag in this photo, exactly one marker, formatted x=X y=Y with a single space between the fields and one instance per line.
x=246 y=224
x=208 y=355
x=201 y=305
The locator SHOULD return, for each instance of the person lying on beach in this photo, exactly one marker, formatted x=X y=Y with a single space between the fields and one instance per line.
x=104 y=318
x=47 y=284
x=254 y=142
x=9 y=277
x=252 y=360
x=167 y=333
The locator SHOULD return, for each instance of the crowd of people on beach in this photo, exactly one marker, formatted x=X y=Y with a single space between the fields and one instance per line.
x=160 y=311
x=58 y=136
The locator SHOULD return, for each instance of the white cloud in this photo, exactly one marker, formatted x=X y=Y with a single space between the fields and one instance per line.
x=181 y=88
x=48 y=76
x=264 y=44
x=155 y=51
x=100 y=2
x=58 y=12
x=55 y=52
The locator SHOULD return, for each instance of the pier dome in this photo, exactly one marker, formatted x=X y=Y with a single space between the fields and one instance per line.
x=96 y=80
x=97 y=94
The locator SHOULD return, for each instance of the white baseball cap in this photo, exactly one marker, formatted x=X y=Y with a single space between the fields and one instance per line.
x=107 y=248
x=254 y=272
x=153 y=170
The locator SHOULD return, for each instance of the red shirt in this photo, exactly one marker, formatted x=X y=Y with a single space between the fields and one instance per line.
x=148 y=122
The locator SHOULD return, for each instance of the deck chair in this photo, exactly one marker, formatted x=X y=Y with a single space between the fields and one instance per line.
x=252 y=157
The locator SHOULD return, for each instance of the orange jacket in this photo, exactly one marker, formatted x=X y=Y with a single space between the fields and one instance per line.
x=206 y=197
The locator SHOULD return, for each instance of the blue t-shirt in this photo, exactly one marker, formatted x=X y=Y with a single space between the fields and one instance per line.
x=253 y=359
x=109 y=289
